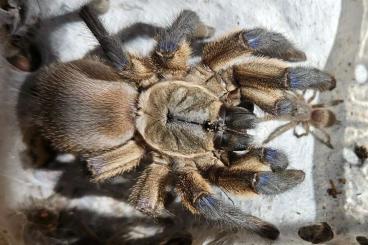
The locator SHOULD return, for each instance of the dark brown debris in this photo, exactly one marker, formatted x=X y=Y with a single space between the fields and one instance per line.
x=362 y=240
x=361 y=152
x=342 y=181
x=316 y=234
x=333 y=191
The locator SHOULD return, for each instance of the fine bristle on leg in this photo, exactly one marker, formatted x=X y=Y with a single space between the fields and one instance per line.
x=258 y=42
x=271 y=183
x=309 y=78
x=172 y=51
x=110 y=45
x=115 y=162
x=148 y=194
x=274 y=101
x=223 y=214
x=196 y=195
x=249 y=173
x=272 y=44
x=275 y=159
x=277 y=74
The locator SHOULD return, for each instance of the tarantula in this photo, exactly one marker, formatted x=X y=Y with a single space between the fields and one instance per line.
x=307 y=114
x=185 y=120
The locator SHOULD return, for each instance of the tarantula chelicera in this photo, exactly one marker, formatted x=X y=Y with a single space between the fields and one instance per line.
x=186 y=120
x=307 y=114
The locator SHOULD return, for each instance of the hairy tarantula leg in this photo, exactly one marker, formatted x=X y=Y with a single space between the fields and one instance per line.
x=250 y=177
x=224 y=214
x=255 y=158
x=272 y=44
x=172 y=50
x=148 y=194
x=257 y=41
x=196 y=195
x=270 y=183
x=110 y=45
x=276 y=74
x=279 y=130
x=277 y=102
x=115 y=162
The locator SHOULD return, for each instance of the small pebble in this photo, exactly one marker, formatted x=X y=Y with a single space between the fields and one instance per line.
x=361 y=73
x=350 y=156
x=316 y=234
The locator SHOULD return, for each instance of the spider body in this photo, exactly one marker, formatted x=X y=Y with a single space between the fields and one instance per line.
x=187 y=120
x=308 y=114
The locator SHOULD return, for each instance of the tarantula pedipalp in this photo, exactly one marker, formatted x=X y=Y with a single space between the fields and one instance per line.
x=307 y=114
x=114 y=112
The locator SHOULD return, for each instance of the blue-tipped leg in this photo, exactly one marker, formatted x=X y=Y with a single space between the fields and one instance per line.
x=276 y=159
x=270 y=183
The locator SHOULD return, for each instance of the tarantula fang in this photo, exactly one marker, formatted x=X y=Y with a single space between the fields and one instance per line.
x=120 y=109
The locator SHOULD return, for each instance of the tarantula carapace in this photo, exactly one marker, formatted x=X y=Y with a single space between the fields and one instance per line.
x=186 y=120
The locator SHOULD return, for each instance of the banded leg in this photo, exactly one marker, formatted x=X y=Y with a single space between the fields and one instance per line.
x=270 y=84
x=198 y=198
x=172 y=51
x=255 y=158
x=148 y=194
x=115 y=162
x=249 y=173
x=277 y=74
x=220 y=53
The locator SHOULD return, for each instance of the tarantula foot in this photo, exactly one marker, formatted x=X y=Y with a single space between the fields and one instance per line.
x=310 y=78
x=272 y=44
x=224 y=214
x=270 y=183
x=277 y=160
